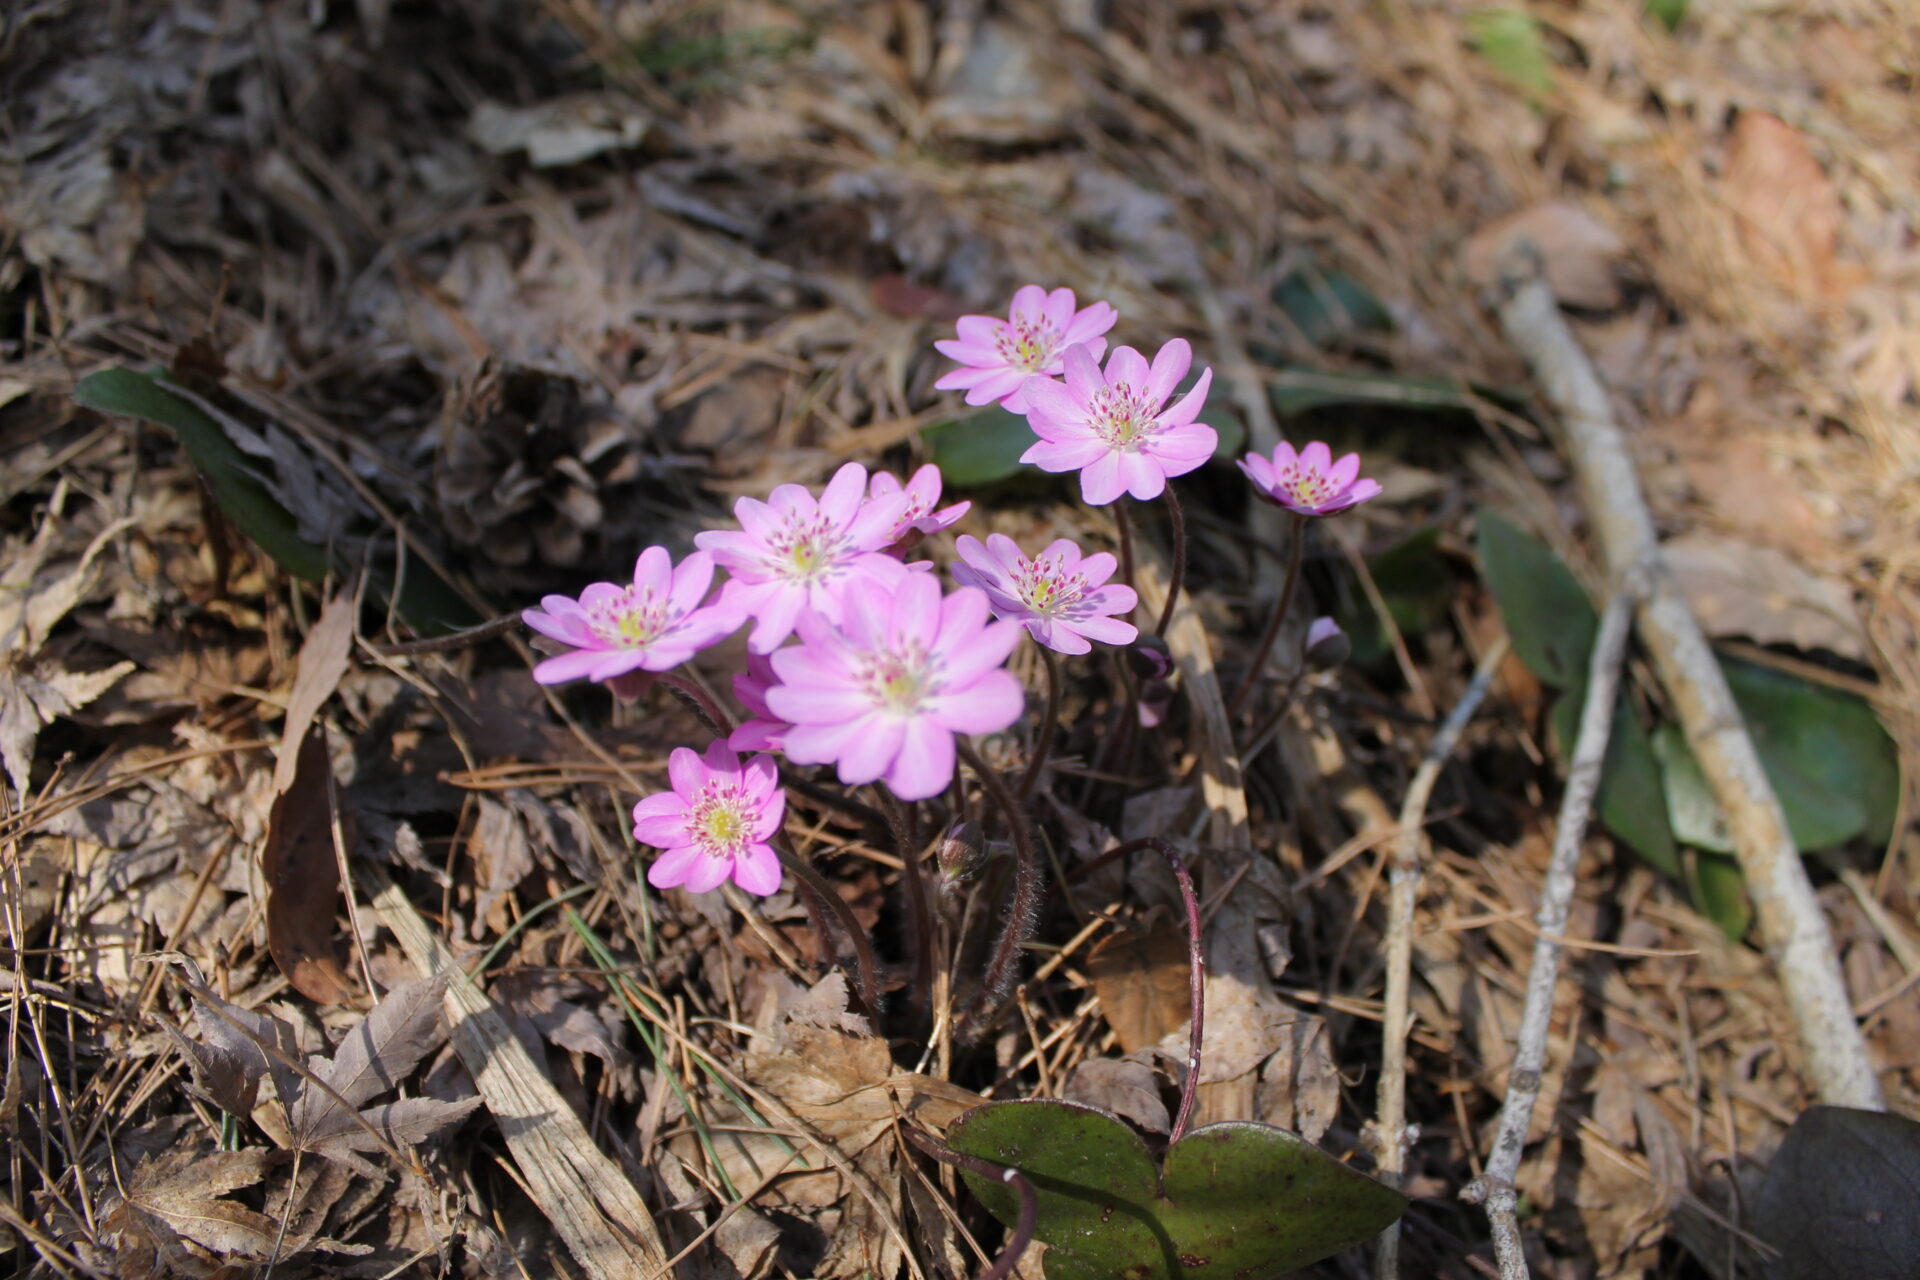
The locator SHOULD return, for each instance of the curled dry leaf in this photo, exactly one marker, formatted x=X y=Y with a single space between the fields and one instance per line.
x=1580 y=254
x=1739 y=589
x=1143 y=983
x=1786 y=212
x=302 y=875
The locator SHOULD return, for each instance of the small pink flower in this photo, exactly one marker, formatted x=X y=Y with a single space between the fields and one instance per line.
x=793 y=552
x=882 y=694
x=923 y=494
x=1111 y=428
x=761 y=731
x=1059 y=596
x=999 y=355
x=715 y=823
x=654 y=625
x=1309 y=482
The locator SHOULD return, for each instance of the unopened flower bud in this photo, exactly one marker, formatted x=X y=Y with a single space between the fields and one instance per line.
x=1150 y=658
x=1327 y=645
x=962 y=852
x=1156 y=701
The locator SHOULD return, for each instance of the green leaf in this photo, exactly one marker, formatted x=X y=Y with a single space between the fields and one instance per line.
x=235 y=488
x=1630 y=801
x=1832 y=765
x=1236 y=1199
x=1325 y=305
x=981 y=448
x=427 y=601
x=1547 y=613
x=1720 y=893
x=1295 y=390
x=1511 y=40
x=1670 y=13
x=1842 y=1197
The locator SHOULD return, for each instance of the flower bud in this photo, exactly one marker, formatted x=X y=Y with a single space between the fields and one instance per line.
x=962 y=852
x=1150 y=659
x=1327 y=645
x=1156 y=703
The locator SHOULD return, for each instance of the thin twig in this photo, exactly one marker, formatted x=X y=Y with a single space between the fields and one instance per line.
x=1792 y=926
x=1390 y=1111
x=1494 y=1186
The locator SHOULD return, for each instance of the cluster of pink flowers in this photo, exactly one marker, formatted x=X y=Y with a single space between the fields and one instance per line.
x=857 y=658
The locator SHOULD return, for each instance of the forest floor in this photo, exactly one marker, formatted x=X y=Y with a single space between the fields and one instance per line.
x=526 y=287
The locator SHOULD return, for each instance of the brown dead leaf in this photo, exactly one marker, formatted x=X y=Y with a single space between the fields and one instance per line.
x=1580 y=254
x=302 y=876
x=1299 y=1086
x=1739 y=589
x=1142 y=981
x=1124 y=1086
x=834 y=1081
x=323 y=660
x=379 y=1052
x=1787 y=214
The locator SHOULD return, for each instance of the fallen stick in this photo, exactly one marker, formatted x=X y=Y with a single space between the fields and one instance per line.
x=1391 y=1134
x=1494 y=1187
x=1792 y=928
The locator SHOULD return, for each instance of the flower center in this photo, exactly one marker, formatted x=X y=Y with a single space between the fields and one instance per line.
x=899 y=681
x=1028 y=344
x=1308 y=487
x=807 y=549
x=1046 y=586
x=633 y=619
x=719 y=821
x=1119 y=414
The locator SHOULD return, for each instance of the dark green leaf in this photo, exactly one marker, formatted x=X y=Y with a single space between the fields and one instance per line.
x=1720 y=892
x=235 y=488
x=1238 y=1199
x=1546 y=612
x=1328 y=304
x=981 y=448
x=1511 y=40
x=1414 y=580
x=1296 y=390
x=1630 y=800
x=1842 y=1197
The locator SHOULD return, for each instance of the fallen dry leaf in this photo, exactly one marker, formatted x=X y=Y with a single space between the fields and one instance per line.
x=1739 y=589
x=302 y=875
x=323 y=660
x=1143 y=982
x=1580 y=254
x=1124 y=1086
x=1787 y=214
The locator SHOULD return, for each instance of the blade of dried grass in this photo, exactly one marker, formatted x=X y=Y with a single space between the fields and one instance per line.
x=1792 y=926
x=593 y=1207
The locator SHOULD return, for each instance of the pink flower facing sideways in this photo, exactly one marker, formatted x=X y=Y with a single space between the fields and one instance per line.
x=923 y=495
x=1059 y=596
x=793 y=553
x=1309 y=482
x=1111 y=428
x=760 y=731
x=715 y=823
x=653 y=625
x=997 y=356
x=882 y=694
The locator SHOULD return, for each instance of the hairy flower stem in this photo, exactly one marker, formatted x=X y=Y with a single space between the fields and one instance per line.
x=902 y=821
x=1295 y=553
x=1177 y=522
x=1196 y=969
x=1022 y=913
x=814 y=886
x=1123 y=525
x=702 y=703
x=1047 y=722
x=1029 y=1202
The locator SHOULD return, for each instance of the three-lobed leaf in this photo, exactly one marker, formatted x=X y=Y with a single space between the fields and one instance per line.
x=1233 y=1200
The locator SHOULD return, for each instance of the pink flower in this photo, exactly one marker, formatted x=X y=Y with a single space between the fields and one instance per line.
x=654 y=625
x=1111 y=428
x=793 y=553
x=923 y=494
x=999 y=355
x=1309 y=482
x=882 y=694
x=715 y=822
x=1058 y=596
x=761 y=731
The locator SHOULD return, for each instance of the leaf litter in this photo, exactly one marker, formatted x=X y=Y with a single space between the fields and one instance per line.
x=673 y=254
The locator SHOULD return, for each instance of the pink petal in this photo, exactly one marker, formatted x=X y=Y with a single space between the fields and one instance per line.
x=653 y=571
x=1107 y=630
x=1192 y=444
x=977 y=355
x=1258 y=470
x=687 y=771
x=1059 y=308
x=1082 y=374
x=690 y=582
x=568 y=630
x=1190 y=404
x=1100 y=480
x=1094 y=319
x=822 y=743
x=997 y=384
x=1058 y=636
x=671 y=868
x=1128 y=366
x=1029 y=304
x=1049 y=399
x=870 y=753
x=1316 y=457
x=924 y=764
x=1098 y=567
x=757 y=870
x=982 y=331
x=1170 y=364
x=987 y=705
x=577 y=665
x=707 y=874
x=843 y=493
x=1142 y=476
x=1068 y=455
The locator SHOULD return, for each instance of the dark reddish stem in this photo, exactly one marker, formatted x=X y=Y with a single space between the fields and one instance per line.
x=1177 y=519
x=1045 y=742
x=1196 y=970
x=1022 y=1236
x=820 y=895
x=1022 y=912
x=1260 y=656
x=690 y=692
x=901 y=821
x=1123 y=523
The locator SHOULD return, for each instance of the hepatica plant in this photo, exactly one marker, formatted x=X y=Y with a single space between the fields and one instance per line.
x=880 y=646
